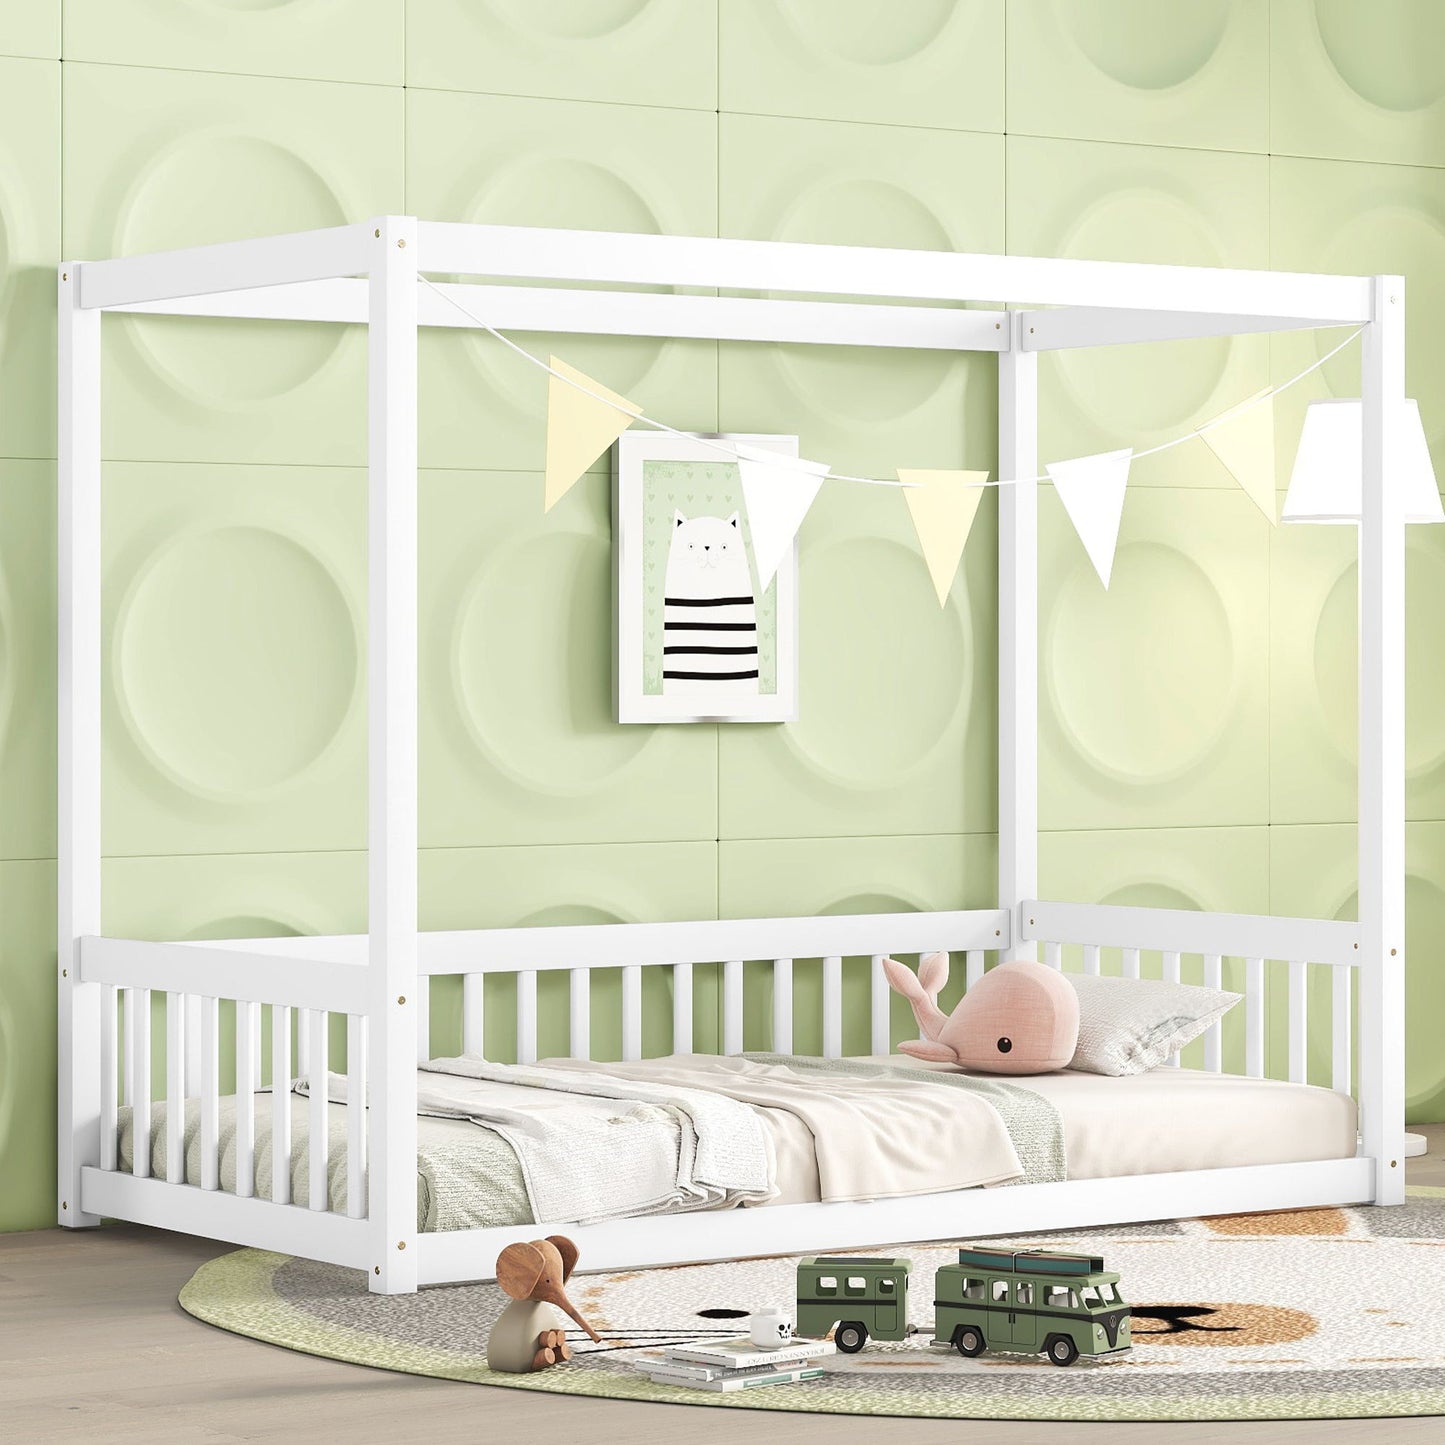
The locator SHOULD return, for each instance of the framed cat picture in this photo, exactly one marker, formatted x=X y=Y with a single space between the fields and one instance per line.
x=696 y=639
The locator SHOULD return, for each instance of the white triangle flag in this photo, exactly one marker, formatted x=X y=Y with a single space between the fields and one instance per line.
x=1245 y=444
x=1092 y=491
x=777 y=492
x=580 y=427
x=943 y=505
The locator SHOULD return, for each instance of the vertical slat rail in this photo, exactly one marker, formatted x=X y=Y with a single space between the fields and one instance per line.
x=833 y=1007
x=1340 y=1029
x=1254 y=1017
x=81 y=1086
x=1298 y=1022
x=1091 y=959
x=392 y=752
x=682 y=1008
x=733 y=1006
x=248 y=1033
x=1018 y=816
x=176 y=1088
x=1214 y=1034
x=210 y=1093
x=879 y=1008
x=356 y=1116
x=1170 y=966
x=973 y=961
x=1054 y=955
x=109 y=1079
x=782 y=1005
x=579 y=1023
x=423 y=1017
x=632 y=1012
x=319 y=1126
x=138 y=1044
x=527 y=1016
x=280 y=1104
x=1129 y=960
x=474 y=1014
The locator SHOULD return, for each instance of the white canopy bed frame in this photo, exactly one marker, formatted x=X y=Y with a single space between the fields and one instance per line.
x=367 y=274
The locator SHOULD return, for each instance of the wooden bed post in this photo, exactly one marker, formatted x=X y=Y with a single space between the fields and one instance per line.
x=392 y=755
x=1382 y=746
x=1018 y=629
x=78 y=838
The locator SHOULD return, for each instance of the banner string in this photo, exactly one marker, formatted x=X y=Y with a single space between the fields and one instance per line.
x=730 y=452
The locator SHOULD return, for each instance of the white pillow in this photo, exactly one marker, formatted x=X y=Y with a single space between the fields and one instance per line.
x=1130 y=1025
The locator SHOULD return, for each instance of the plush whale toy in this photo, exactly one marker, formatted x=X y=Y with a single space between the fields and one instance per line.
x=1019 y=1018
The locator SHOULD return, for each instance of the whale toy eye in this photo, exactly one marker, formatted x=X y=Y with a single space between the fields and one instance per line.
x=1005 y=1045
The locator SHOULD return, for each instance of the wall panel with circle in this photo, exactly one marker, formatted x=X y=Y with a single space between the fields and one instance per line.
x=1154 y=695
x=523 y=162
x=357 y=40
x=1148 y=204
x=1358 y=82
x=29 y=248
x=32 y=28
x=518 y=742
x=1177 y=75
x=931 y=63
x=633 y=52
x=234 y=658
x=156 y=159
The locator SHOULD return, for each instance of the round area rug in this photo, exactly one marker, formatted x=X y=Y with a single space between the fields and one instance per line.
x=1329 y=1313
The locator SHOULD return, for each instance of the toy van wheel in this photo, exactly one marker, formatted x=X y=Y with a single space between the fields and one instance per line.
x=850 y=1337
x=968 y=1341
x=1061 y=1350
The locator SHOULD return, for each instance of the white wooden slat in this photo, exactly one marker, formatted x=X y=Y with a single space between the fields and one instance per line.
x=527 y=1016
x=1214 y=1034
x=782 y=1005
x=733 y=1006
x=1340 y=1029
x=356 y=1116
x=880 y=1007
x=176 y=1088
x=474 y=987
x=193 y=1042
x=127 y=1045
x=280 y=1104
x=140 y=1080
x=423 y=1018
x=833 y=1007
x=1054 y=955
x=210 y=1093
x=1254 y=1017
x=1091 y=959
x=109 y=1079
x=303 y=1045
x=1298 y=1022
x=973 y=961
x=579 y=1001
x=682 y=1008
x=1171 y=975
x=319 y=1122
x=248 y=1032
x=632 y=1012
x=1129 y=960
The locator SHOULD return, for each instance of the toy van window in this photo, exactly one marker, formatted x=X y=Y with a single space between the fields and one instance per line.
x=1000 y=1291
x=1093 y=1297
x=856 y=1284
x=1025 y=1292
x=828 y=1284
x=886 y=1286
x=973 y=1289
x=1059 y=1298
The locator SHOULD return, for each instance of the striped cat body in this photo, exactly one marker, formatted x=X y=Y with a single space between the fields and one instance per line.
x=710 y=619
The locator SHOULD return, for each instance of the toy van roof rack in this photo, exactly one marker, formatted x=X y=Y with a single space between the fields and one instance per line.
x=1034 y=1261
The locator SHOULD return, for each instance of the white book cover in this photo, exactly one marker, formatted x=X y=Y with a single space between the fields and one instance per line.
x=742 y=1352
x=747 y=1381
x=686 y=1371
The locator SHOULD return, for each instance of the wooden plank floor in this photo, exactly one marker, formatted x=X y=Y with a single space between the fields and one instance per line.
x=93 y=1347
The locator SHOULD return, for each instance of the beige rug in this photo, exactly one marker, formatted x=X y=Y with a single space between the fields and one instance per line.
x=1322 y=1313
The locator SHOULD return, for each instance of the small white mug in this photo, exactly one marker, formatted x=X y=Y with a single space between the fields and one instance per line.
x=770 y=1329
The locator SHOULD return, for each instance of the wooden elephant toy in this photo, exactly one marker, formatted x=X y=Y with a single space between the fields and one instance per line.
x=528 y=1336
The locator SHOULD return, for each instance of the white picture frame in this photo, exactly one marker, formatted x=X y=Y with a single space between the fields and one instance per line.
x=654 y=474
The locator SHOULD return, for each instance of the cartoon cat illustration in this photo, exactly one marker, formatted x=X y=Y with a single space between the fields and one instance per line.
x=709 y=620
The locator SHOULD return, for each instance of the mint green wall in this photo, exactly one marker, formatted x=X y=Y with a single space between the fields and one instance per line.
x=1197 y=720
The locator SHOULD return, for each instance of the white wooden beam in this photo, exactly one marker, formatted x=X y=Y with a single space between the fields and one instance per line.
x=1081 y=326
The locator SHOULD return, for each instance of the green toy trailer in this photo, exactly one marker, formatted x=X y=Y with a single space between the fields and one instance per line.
x=861 y=1297
x=1029 y=1301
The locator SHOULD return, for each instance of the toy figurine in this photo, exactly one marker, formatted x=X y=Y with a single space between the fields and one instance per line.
x=1019 y=1018
x=770 y=1329
x=525 y=1338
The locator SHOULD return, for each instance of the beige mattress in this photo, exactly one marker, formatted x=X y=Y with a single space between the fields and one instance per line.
x=1164 y=1121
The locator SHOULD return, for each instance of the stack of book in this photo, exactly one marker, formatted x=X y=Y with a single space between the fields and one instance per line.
x=736 y=1364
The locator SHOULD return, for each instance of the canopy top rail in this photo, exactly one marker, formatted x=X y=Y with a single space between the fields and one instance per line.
x=1088 y=302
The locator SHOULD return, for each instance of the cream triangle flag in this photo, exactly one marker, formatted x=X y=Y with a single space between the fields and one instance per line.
x=1092 y=491
x=580 y=427
x=1245 y=444
x=943 y=505
x=777 y=492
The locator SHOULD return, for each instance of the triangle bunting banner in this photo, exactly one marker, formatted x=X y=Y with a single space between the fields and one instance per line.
x=943 y=505
x=1245 y=444
x=1092 y=491
x=579 y=427
x=777 y=492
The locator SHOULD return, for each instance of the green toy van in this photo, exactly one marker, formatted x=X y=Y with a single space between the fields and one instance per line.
x=862 y=1297
x=1030 y=1302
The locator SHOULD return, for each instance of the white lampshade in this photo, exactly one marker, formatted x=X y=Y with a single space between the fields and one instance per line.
x=1325 y=483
